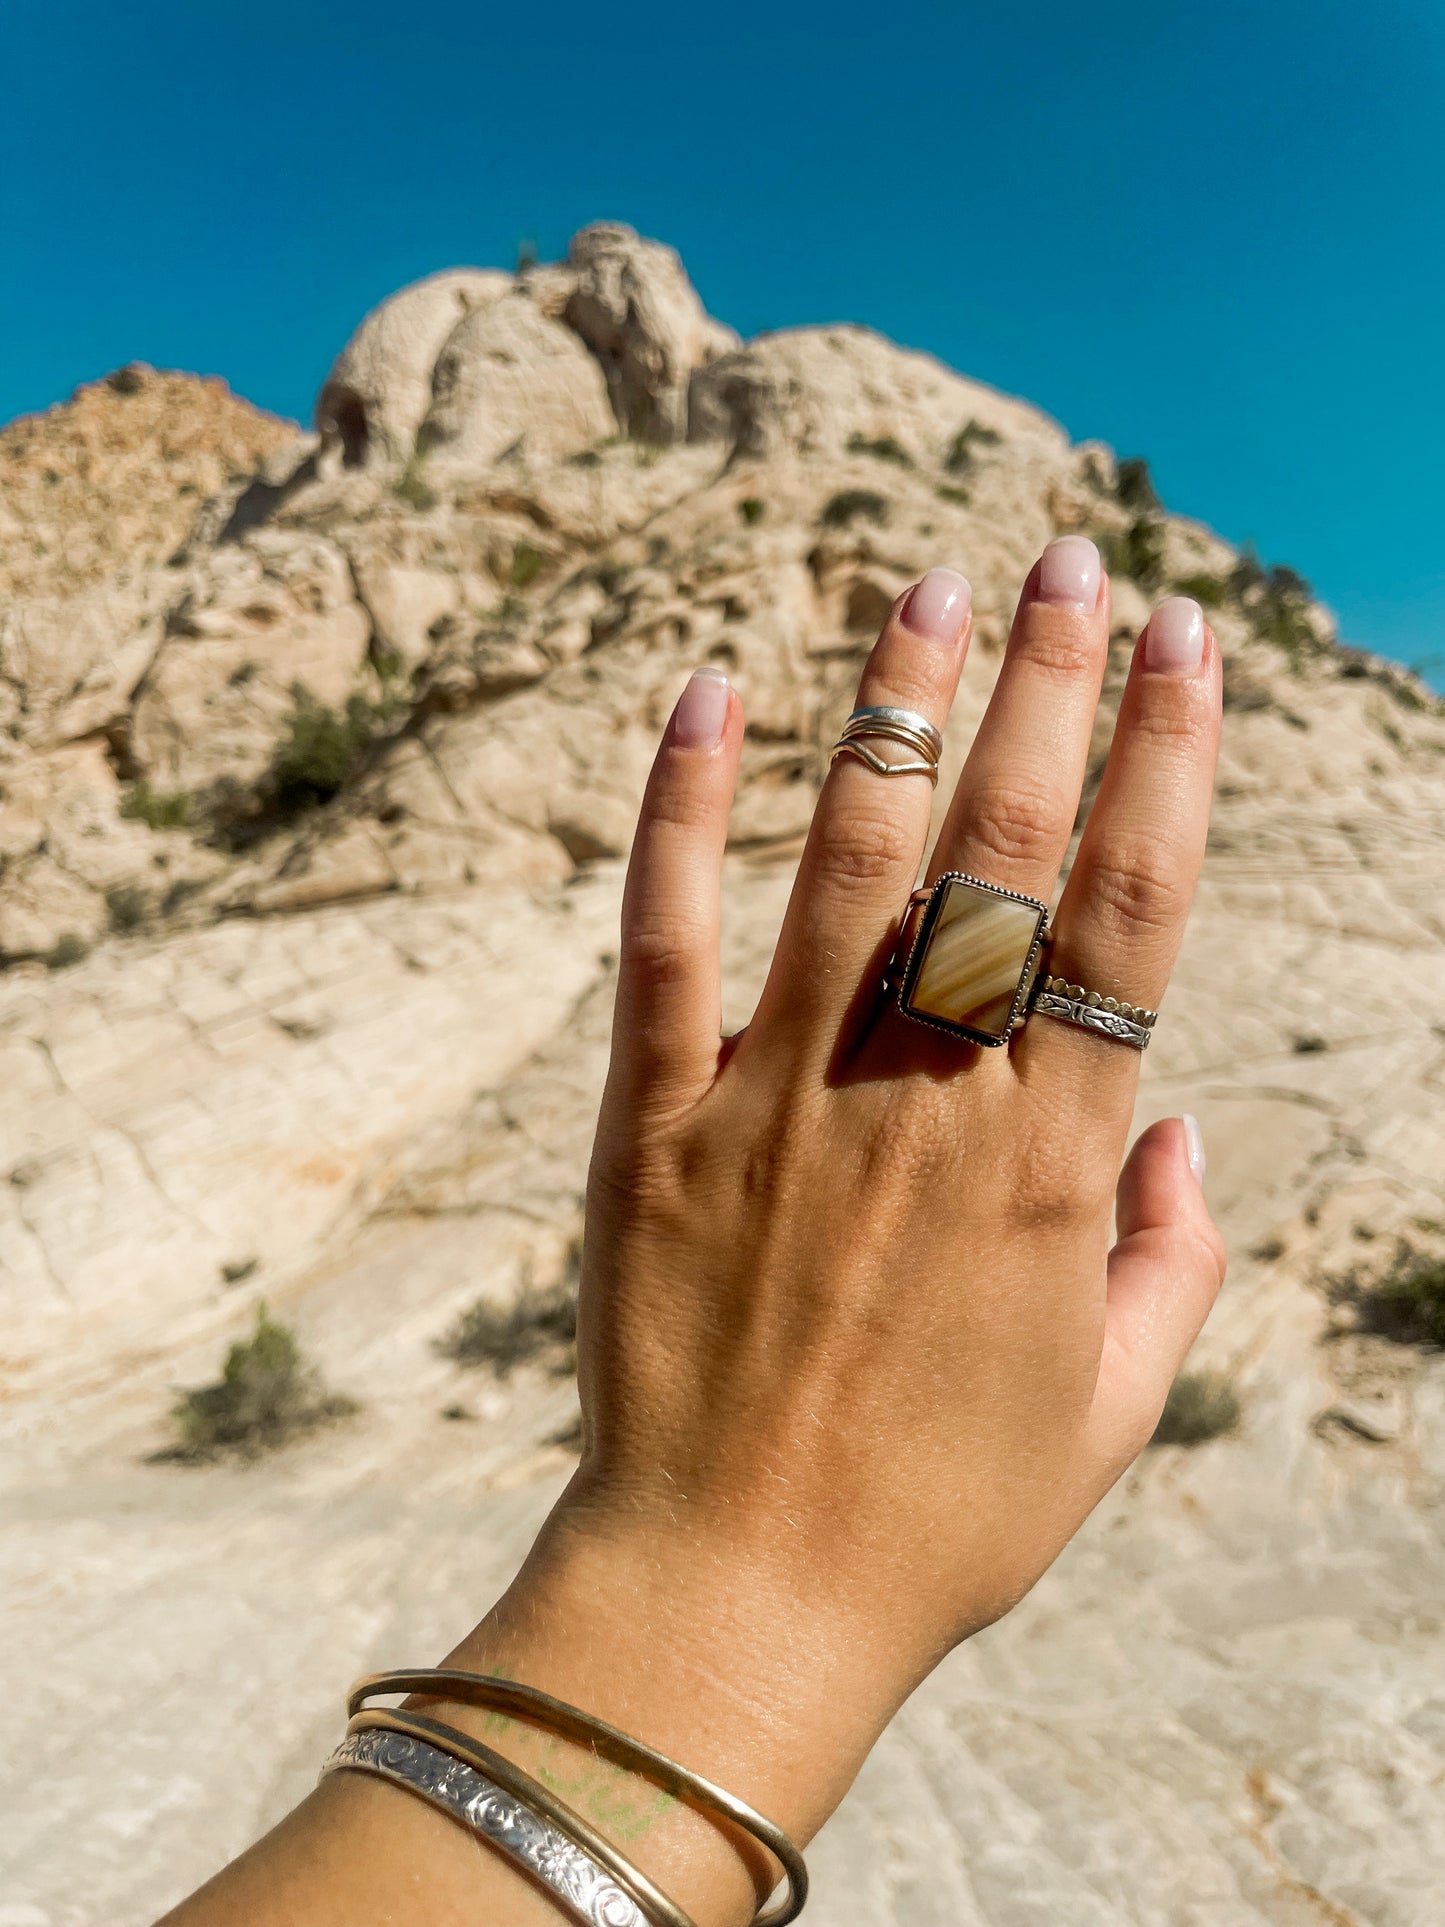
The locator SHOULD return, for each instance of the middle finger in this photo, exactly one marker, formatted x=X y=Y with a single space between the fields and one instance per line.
x=1013 y=811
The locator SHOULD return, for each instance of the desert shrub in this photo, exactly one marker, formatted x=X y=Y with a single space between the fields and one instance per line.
x=65 y=951
x=1136 y=552
x=1134 y=486
x=541 y=1323
x=950 y=492
x=157 y=809
x=265 y=1395
x=963 y=449
x=1209 y=591
x=320 y=750
x=180 y=894
x=538 y=1323
x=751 y=511
x=1200 y=1406
x=129 y=907
x=1406 y=1302
x=526 y=565
x=412 y=488
x=850 y=503
x=884 y=448
x=1279 y=614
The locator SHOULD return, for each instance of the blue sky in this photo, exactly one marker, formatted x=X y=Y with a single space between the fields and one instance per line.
x=1214 y=236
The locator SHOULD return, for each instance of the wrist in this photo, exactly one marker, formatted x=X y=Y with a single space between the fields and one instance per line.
x=711 y=1661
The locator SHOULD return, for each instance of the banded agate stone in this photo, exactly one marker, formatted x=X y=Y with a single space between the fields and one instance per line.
x=969 y=969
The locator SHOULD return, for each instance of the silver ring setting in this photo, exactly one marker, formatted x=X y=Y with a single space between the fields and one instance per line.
x=972 y=958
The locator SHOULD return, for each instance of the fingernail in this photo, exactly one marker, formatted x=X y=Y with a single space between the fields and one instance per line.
x=1174 y=639
x=938 y=606
x=1194 y=1145
x=1069 y=573
x=702 y=710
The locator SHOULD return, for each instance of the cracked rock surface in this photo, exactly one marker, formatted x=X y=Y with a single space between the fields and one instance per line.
x=338 y=1045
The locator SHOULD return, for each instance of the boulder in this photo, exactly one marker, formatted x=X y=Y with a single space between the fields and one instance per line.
x=405 y=604
x=637 y=311
x=820 y=391
x=509 y=378
x=76 y=661
x=380 y=387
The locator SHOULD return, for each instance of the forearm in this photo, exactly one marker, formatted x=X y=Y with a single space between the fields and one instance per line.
x=708 y=1665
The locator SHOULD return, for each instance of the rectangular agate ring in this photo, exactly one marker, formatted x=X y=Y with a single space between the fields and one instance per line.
x=973 y=960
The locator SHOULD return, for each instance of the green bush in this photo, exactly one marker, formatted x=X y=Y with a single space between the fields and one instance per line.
x=321 y=749
x=885 y=448
x=948 y=492
x=963 y=449
x=67 y=950
x=411 y=486
x=1209 y=591
x=1407 y=1302
x=1200 y=1406
x=849 y=504
x=1134 y=486
x=527 y=564
x=265 y=1395
x=158 y=809
x=538 y=1323
x=1279 y=613
x=751 y=511
x=1136 y=552
x=129 y=906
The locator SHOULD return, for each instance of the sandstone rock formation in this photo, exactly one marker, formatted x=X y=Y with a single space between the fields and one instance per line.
x=315 y=786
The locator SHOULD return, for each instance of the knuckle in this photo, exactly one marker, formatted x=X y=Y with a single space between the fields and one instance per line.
x=1058 y=1182
x=863 y=847
x=1136 y=890
x=1062 y=646
x=1015 y=822
x=658 y=952
x=680 y=806
x=1181 y=727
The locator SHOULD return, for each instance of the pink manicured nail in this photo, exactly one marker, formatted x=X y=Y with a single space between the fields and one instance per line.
x=938 y=606
x=1194 y=1145
x=1174 y=639
x=702 y=710
x=1069 y=573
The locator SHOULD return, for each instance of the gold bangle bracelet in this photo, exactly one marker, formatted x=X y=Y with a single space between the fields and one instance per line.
x=529 y=1703
x=511 y=1779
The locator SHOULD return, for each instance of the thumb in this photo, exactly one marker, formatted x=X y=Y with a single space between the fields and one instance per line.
x=1164 y=1276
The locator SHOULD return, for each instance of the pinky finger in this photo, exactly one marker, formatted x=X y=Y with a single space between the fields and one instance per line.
x=669 y=991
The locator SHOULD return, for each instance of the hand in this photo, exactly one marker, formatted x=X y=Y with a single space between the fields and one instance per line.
x=854 y=1342
x=857 y=1355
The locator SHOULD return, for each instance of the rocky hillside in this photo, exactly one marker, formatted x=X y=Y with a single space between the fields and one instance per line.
x=314 y=790
x=107 y=485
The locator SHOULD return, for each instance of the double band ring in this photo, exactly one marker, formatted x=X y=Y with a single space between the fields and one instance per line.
x=1108 y=1016
x=903 y=726
x=967 y=963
